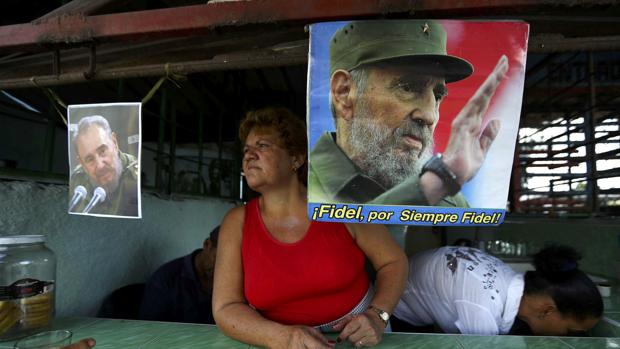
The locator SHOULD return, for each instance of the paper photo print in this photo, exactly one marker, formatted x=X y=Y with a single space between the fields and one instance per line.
x=104 y=159
x=413 y=121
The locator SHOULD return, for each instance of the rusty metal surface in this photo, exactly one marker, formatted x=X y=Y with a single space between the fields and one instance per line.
x=246 y=60
x=186 y=20
x=138 y=44
x=117 y=62
x=231 y=50
x=77 y=28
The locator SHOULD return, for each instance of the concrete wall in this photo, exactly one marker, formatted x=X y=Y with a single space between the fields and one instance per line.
x=97 y=255
x=598 y=240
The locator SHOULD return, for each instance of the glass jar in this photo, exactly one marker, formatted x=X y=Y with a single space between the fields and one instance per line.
x=27 y=277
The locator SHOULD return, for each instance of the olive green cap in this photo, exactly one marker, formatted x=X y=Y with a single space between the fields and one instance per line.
x=416 y=41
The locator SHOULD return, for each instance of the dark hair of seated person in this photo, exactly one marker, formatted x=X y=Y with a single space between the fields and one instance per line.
x=558 y=276
x=215 y=235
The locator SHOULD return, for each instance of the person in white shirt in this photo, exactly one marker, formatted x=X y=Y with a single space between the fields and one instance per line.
x=464 y=290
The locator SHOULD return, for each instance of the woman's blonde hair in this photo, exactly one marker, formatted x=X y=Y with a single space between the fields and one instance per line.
x=290 y=129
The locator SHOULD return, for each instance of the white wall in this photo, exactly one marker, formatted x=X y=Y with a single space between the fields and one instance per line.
x=97 y=255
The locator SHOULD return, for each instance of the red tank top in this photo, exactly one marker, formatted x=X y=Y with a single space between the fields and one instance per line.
x=311 y=282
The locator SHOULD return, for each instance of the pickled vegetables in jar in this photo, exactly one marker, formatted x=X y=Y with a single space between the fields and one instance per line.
x=27 y=282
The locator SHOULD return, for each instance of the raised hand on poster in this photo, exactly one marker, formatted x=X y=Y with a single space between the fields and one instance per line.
x=470 y=139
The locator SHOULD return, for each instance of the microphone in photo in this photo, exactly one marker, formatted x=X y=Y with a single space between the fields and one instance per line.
x=98 y=196
x=79 y=193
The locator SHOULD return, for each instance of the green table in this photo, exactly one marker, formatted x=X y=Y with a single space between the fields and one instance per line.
x=122 y=334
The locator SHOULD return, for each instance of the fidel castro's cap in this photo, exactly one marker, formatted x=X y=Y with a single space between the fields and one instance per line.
x=417 y=41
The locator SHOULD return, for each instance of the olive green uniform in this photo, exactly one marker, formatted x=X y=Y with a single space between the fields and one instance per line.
x=123 y=202
x=333 y=177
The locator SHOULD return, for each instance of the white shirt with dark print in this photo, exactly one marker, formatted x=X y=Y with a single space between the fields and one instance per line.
x=462 y=290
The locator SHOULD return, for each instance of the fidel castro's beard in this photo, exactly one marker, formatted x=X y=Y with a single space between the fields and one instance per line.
x=381 y=154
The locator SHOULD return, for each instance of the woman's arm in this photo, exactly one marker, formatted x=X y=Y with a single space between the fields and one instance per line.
x=390 y=263
x=231 y=311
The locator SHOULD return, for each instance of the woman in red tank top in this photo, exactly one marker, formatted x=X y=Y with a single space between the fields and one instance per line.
x=281 y=279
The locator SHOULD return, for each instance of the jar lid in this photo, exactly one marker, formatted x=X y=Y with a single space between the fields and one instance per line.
x=21 y=239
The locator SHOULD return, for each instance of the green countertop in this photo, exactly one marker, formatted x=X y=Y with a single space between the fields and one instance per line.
x=122 y=334
x=610 y=324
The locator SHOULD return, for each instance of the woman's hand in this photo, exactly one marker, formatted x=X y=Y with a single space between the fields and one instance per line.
x=302 y=337
x=362 y=330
